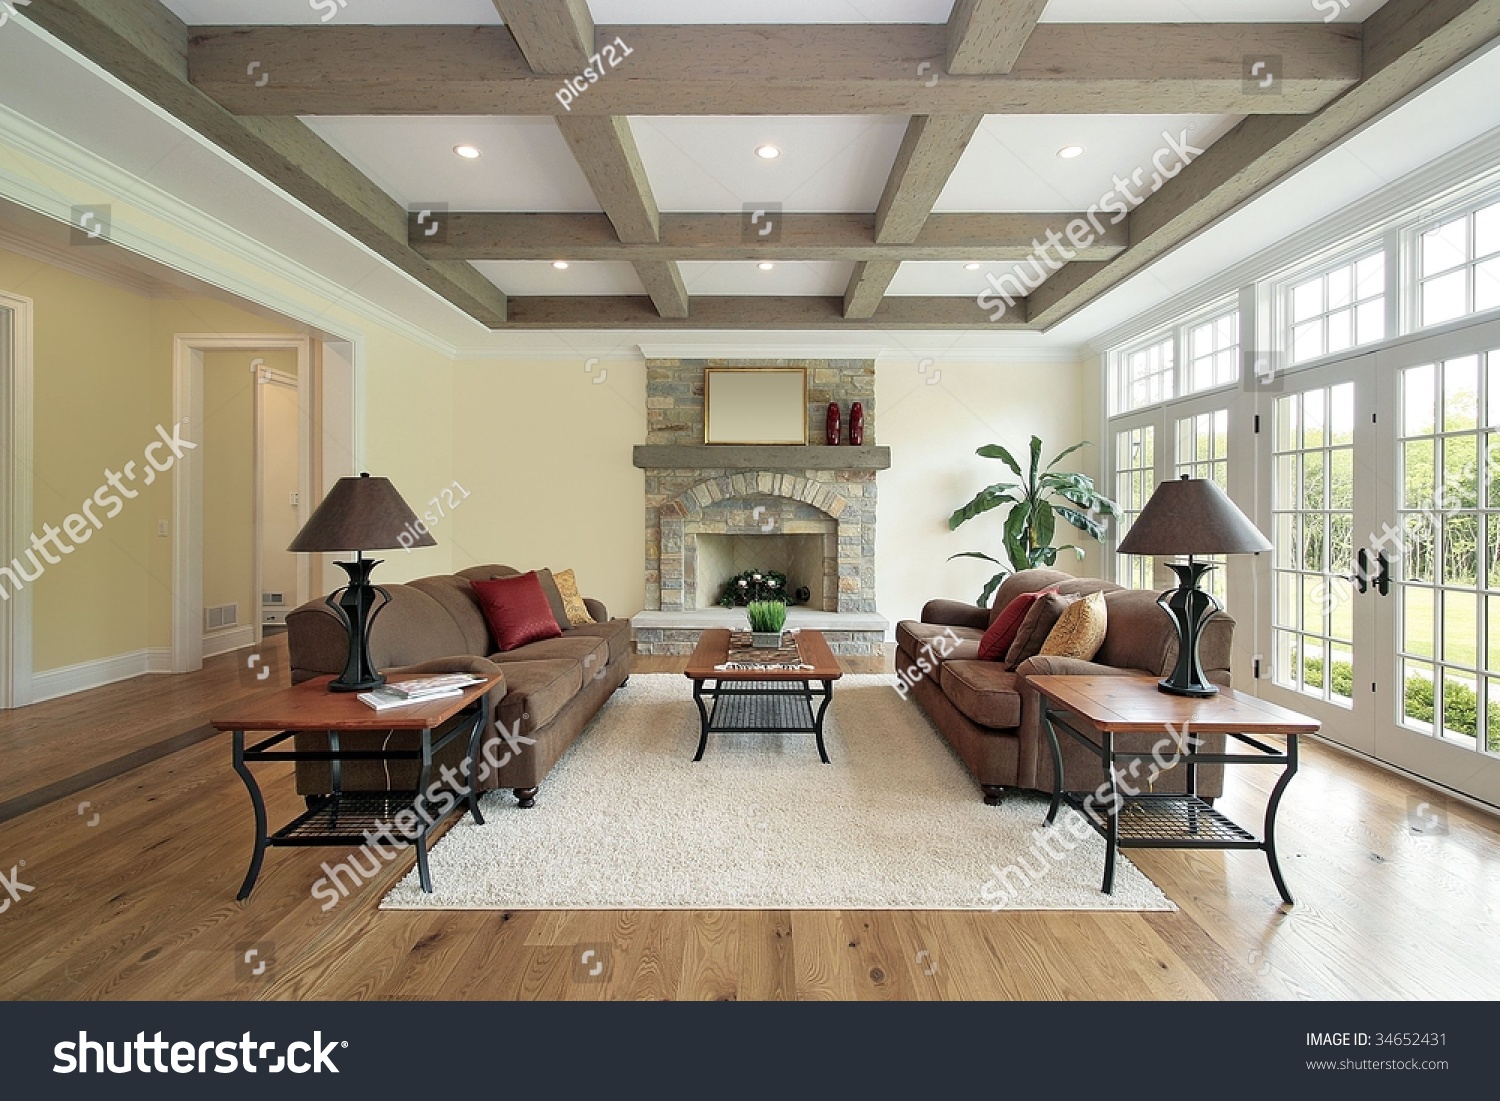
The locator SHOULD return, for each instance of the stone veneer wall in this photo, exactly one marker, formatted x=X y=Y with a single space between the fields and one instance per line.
x=683 y=503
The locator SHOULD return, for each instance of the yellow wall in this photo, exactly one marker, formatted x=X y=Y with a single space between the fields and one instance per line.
x=545 y=453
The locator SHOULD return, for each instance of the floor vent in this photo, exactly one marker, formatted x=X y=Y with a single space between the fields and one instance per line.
x=223 y=615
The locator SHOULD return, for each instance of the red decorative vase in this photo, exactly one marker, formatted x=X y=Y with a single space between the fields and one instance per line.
x=835 y=424
x=857 y=424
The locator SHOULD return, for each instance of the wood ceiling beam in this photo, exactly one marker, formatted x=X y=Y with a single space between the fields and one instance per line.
x=752 y=313
x=987 y=36
x=557 y=37
x=968 y=237
x=1407 y=44
x=831 y=69
x=143 y=44
x=867 y=286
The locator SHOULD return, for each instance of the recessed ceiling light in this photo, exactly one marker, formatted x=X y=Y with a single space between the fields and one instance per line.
x=467 y=152
x=767 y=152
x=971 y=267
x=765 y=265
x=1068 y=152
x=560 y=265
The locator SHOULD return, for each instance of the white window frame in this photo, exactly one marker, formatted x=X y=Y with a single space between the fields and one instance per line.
x=1410 y=237
x=1347 y=255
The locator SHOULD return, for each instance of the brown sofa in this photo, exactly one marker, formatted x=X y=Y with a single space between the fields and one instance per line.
x=552 y=688
x=992 y=719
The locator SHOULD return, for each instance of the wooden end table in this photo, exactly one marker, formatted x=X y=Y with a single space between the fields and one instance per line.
x=761 y=701
x=1094 y=709
x=343 y=818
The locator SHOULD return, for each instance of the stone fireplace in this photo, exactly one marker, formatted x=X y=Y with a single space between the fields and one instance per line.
x=715 y=511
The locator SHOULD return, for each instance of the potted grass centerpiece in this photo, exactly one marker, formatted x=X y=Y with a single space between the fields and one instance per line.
x=767 y=618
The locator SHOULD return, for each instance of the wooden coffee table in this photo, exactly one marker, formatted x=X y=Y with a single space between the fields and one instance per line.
x=344 y=818
x=1093 y=710
x=761 y=701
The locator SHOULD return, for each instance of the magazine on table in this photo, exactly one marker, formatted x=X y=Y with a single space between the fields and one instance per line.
x=429 y=686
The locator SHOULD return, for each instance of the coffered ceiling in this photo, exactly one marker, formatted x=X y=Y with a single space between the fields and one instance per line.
x=915 y=138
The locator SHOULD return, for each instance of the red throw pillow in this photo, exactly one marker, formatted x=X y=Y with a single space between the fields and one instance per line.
x=996 y=641
x=517 y=610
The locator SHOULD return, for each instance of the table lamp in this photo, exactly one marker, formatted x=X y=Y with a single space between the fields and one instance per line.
x=1191 y=516
x=360 y=514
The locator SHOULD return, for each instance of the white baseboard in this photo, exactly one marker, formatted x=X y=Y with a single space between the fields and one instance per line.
x=221 y=642
x=52 y=683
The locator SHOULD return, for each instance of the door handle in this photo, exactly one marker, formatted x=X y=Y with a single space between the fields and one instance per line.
x=1361 y=574
x=1383 y=578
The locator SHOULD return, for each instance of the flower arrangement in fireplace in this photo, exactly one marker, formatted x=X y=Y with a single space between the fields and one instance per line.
x=754 y=585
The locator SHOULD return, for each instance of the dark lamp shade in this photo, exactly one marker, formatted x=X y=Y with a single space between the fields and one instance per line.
x=361 y=514
x=1192 y=516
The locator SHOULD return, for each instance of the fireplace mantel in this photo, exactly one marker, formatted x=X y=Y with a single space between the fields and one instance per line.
x=760 y=457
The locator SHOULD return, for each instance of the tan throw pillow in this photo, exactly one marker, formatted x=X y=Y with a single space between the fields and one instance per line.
x=567 y=585
x=1079 y=631
x=554 y=599
x=1035 y=628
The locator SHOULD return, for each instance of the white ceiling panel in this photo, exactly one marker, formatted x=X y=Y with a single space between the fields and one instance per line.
x=1013 y=164
x=1209 y=11
x=524 y=164
x=828 y=164
x=475 y=12
x=539 y=277
x=208 y=13
x=952 y=278
x=743 y=277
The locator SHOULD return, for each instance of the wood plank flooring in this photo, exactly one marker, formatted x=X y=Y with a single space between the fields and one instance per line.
x=140 y=904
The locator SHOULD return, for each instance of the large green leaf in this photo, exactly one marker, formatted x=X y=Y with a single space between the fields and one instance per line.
x=976 y=554
x=1061 y=455
x=995 y=451
x=1036 y=460
x=1044 y=527
x=989 y=588
x=1082 y=522
x=988 y=498
x=1016 y=525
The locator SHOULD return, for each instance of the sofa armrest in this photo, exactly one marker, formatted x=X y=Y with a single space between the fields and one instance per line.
x=596 y=609
x=459 y=663
x=1040 y=666
x=954 y=613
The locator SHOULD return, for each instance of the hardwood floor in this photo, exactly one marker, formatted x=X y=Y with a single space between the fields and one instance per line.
x=140 y=904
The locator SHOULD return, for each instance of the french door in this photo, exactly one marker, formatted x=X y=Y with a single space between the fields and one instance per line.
x=1384 y=507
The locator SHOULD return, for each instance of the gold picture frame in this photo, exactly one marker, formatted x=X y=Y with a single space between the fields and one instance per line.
x=755 y=405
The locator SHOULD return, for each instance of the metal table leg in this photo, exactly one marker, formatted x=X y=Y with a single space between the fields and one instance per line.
x=1271 y=807
x=818 y=722
x=423 y=872
x=260 y=816
x=1112 y=820
x=702 y=717
x=474 y=736
x=1057 y=765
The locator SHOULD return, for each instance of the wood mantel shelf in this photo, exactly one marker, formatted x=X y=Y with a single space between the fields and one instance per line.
x=760 y=457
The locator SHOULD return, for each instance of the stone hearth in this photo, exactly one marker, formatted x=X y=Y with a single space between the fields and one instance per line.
x=824 y=497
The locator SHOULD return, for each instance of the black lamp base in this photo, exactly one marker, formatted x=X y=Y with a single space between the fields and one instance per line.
x=1189 y=608
x=356 y=607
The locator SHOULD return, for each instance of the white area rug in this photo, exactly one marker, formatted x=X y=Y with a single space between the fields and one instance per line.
x=626 y=820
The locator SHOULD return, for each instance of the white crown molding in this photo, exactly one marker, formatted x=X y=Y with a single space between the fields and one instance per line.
x=1464 y=167
x=90 y=263
x=32 y=140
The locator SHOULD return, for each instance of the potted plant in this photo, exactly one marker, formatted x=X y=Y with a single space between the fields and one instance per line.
x=1042 y=495
x=767 y=618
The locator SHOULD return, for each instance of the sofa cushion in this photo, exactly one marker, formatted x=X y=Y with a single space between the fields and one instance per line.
x=1005 y=626
x=536 y=692
x=936 y=641
x=458 y=599
x=1080 y=629
x=516 y=610
x=614 y=632
x=1024 y=581
x=984 y=691
x=1041 y=617
x=591 y=652
x=554 y=599
x=577 y=610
